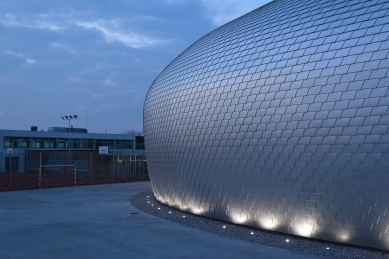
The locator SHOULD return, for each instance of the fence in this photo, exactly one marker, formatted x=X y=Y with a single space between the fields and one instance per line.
x=46 y=169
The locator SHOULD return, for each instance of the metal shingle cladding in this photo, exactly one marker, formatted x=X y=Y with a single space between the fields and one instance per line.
x=279 y=120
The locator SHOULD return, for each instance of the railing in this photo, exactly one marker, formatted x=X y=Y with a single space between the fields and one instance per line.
x=88 y=167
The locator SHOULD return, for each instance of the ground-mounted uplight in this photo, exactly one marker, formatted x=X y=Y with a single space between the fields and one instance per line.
x=159 y=208
x=252 y=233
x=305 y=230
x=170 y=212
x=344 y=237
x=287 y=240
x=197 y=211
x=240 y=220
x=328 y=248
x=267 y=223
x=183 y=216
x=224 y=226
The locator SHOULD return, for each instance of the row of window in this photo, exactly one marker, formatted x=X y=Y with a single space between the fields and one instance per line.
x=63 y=143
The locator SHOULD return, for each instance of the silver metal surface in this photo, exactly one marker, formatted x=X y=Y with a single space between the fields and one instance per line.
x=279 y=120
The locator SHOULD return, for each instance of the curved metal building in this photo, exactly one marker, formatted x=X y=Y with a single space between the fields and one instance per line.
x=279 y=120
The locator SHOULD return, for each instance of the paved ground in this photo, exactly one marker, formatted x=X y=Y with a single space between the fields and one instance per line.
x=96 y=222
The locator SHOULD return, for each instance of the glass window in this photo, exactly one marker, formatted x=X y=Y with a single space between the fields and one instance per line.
x=83 y=143
x=7 y=142
x=63 y=143
x=16 y=142
x=105 y=142
x=44 y=143
x=23 y=142
x=36 y=143
x=52 y=143
x=140 y=146
x=125 y=144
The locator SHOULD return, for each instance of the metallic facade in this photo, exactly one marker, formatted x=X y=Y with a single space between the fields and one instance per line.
x=279 y=120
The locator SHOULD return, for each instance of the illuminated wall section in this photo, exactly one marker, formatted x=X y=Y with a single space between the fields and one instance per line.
x=279 y=120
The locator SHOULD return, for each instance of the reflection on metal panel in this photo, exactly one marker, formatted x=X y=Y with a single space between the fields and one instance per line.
x=279 y=120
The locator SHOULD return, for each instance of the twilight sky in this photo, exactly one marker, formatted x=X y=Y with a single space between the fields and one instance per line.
x=96 y=59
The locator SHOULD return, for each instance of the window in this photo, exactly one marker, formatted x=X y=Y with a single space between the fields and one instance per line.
x=44 y=143
x=140 y=143
x=16 y=142
x=125 y=144
x=83 y=143
x=105 y=142
x=63 y=143
x=36 y=143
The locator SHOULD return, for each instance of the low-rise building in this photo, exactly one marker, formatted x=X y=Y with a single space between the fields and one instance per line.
x=20 y=149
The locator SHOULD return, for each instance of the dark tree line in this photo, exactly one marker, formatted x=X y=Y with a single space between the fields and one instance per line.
x=133 y=132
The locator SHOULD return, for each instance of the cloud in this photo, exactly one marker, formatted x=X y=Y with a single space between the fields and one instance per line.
x=75 y=78
x=111 y=30
x=48 y=25
x=112 y=33
x=12 y=53
x=223 y=11
x=109 y=82
x=19 y=55
x=63 y=47
x=11 y=21
x=175 y=1
x=57 y=45
x=113 y=104
x=2 y=112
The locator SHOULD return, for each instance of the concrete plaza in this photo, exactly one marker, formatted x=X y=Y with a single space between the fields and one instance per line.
x=96 y=222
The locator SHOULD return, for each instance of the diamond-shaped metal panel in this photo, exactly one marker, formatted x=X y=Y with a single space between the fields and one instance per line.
x=279 y=120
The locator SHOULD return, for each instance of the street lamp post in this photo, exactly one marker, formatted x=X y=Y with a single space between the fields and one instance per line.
x=69 y=117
